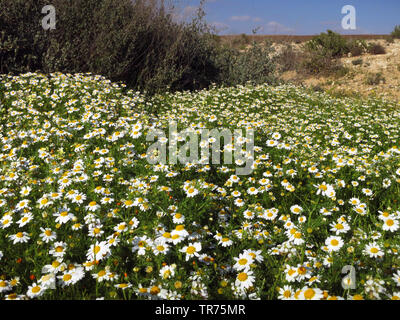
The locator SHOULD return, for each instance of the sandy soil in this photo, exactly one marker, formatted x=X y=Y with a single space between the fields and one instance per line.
x=355 y=81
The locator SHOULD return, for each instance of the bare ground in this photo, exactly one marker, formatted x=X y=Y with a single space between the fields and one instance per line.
x=355 y=81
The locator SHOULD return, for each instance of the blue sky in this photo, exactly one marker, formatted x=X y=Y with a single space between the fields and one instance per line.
x=296 y=17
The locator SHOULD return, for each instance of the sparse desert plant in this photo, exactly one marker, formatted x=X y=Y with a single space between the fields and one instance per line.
x=357 y=62
x=318 y=62
x=288 y=58
x=374 y=79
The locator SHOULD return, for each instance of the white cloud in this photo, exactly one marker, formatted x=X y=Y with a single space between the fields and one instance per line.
x=276 y=27
x=240 y=18
x=220 y=26
x=245 y=18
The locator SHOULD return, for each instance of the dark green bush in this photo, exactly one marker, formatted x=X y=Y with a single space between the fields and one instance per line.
x=22 y=39
x=375 y=48
x=330 y=43
x=133 y=41
x=136 y=42
x=356 y=47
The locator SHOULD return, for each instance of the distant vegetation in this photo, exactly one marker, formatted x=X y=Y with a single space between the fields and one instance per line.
x=321 y=54
x=396 y=32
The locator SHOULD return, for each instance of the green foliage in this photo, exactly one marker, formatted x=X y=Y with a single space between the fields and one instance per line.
x=253 y=65
x=396 y=32
x=135 y=42
x=330 y=43
x=357 y=47
x=375 y=48
x=319 y=62
x=22 y=39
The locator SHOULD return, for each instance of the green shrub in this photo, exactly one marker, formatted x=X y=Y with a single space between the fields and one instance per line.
x=376 y=48
x=22 y=39
x=319 y=62
x=136 y=42
x=330 y=43
x=132 y=41
x=253 y=65
x=396 y=32
x=356 y=47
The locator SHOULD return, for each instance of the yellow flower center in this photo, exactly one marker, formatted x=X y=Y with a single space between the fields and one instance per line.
x=36 y=289
x=67 y=277
x=101 y=273
x=302 y=270
x=191 y=250
x=309 y=294
x=55 y=264
x=155 y=290
x=242 y=262
x=242 y=276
